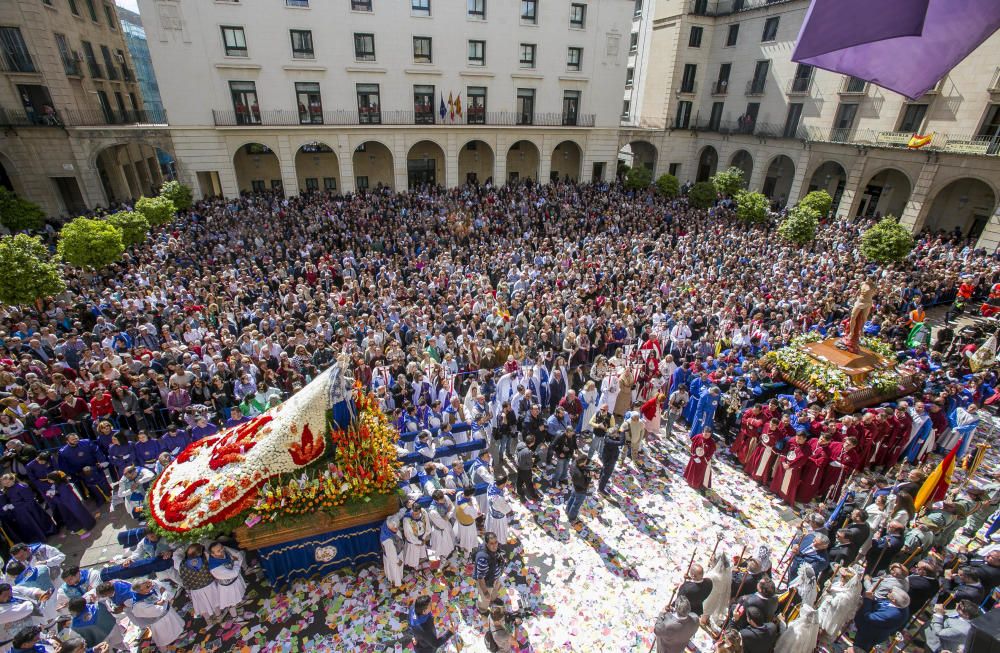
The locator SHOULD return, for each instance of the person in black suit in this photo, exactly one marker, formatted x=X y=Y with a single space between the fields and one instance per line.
x=745 y=578
x=988 y=568
x=884 y=549
x=760 y=635
x=845 y=551
x=765 y=599
x=425 y=637
x=924 y=583
x=696 y=589
x=965 y=585
x=858 y=530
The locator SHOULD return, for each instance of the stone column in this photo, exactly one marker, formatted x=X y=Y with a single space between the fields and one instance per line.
x=852 y=191
x=914 y=214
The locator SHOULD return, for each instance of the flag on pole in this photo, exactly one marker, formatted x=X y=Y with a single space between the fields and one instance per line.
x=443 y=111
x=917 y=141
x=936 y=485
x=451 y=107
x=458 y=105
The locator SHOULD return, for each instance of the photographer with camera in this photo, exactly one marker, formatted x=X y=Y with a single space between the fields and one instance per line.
x=580 y=476
x=500 y=628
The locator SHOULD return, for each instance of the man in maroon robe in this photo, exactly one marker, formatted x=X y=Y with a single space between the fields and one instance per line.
x=763 y=457
x=698 y=472
x=900 y=424
x=751 y=424
x=788 y=472
x=815 y=468
x=845 y=459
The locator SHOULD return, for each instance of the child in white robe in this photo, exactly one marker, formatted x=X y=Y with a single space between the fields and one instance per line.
x=198 y=580
x=226 y=566
x=441 y=514
x=392 y=548
x=466 y=513
x=416 y=535
x=497 y=509
x=150 y=608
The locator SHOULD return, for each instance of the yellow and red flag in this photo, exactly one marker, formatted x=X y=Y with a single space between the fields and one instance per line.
x=936 y=485
x=917 y=141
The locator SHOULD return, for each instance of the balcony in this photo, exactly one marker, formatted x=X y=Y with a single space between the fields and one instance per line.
x=720 y=87
x=72 y=67
x=95 y=69
x=100 y=118
x=20 y=118
x=14 y=62
x=756 y=87
x=728 y=7
x=853 y=86
x=799 y=86
x=341 y=117
x=750 y=128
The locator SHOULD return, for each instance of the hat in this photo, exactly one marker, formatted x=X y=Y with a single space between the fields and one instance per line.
x=34 y=406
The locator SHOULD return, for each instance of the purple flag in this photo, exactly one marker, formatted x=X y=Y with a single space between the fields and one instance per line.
x=902 y=45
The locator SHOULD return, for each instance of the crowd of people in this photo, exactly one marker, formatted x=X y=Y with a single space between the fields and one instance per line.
x=564 y=326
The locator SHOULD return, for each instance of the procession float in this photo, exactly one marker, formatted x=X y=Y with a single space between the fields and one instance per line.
x=306 y=484
x=851 y=372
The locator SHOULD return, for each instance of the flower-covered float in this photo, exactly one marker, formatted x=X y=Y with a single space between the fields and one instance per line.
x=321 y=464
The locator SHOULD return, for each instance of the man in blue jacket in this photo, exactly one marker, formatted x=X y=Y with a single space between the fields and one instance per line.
x=879 y=619
x=425 y=637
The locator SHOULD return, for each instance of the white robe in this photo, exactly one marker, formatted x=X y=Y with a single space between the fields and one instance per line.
x=414 y=534
x=442 y=535
x=589 y=396
x=233 y=593
x=497 y=504
x=838 y=605
x=801 y=635
x=610 y=387
x=467 y=535
x=162 y=620
x=721 y=575
x=392 y=563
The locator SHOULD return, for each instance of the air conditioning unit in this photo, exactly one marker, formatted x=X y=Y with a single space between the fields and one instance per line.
x=120 y=57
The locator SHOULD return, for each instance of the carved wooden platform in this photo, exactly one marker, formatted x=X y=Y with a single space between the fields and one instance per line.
x=857 y=366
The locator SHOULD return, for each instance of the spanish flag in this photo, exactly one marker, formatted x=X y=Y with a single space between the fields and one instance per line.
x=936 y=485
x=917 y=141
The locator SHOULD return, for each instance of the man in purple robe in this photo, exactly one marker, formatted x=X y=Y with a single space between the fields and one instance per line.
x=77 y=454
x=18 y=503
x=174 y=440
x=66 y=503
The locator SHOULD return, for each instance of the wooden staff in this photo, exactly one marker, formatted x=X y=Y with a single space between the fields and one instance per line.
x=911 y=556
x=788 y=608
x=718 y=538
x=729 y=614
x=686 y=572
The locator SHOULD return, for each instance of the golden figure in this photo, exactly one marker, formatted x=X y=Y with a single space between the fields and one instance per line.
x=859 y=315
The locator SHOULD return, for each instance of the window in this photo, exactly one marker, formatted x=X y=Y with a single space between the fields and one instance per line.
x=802 y=79
x=109 y=14
x=715 y=119
x=88 y=54
x=109 y=113
x=756 y=86
x=276 y=184
x=633 y=42
x=312 y=184
x=245 y=105
x=529 y=11
x=475 y=112
x=913 y=118
x=297 y=3
x=683 y=119
x=123 y=62
x=477 y=53
x=694 y=39
x=329 y=183
x=421 y=7
x=574 y=59
x=687 y=81
x=369 y=106
x=477 y=9
x=73 y=8
x=626 y=107
x=792 y=120
x=722 y=82
x=362 y=182
x=527 y=55
x=257 y=185
x=361 y=5
x=748 y=122
x=732 y=35
x=422 y=49
x=844 y=121
x=134 y=103
x=629 y=76
x=309 y=102
x=235 y=41
x=15 y=51
x=571 y=107
x=364 y=47
x=423 y=105
x=525 y=106
x=109 y=63
x=91 y=10
x=577 y=15
x=855 y=85
x=770 y=29
x=674 y=169
x=70 y=64
x=990 y=129
x=120 y=101
x=302 y=44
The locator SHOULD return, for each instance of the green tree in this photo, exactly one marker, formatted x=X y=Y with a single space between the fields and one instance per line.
x=29 y=272
x=702 y=195
x=800 y=225
x=178 y=193
x=91 y=244
x=752 y=207
x=158 y=210
x=19 y=214
x=887 y=241
x=728 y=182
x=668 y=186
x=638 y=177
x=818 y=200
x=134 y=226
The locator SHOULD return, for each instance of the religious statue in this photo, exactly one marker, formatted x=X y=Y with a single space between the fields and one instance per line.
x=851 y=341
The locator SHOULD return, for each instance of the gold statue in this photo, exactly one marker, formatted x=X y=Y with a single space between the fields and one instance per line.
x=859 y=315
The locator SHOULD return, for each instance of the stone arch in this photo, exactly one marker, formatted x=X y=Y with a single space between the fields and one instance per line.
x=885 y=193
x=708 y=163
x=523 y=161
x=475 y=162
x=743 y=160
x=129 y=169
x=966 y=204
x=9 y=177
x=257 y=168
x=425 y=164
x=317 y=168
x=831 y=176
x=567 y=161
x=778 y=179
x=639 y=153
x=373 y=165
